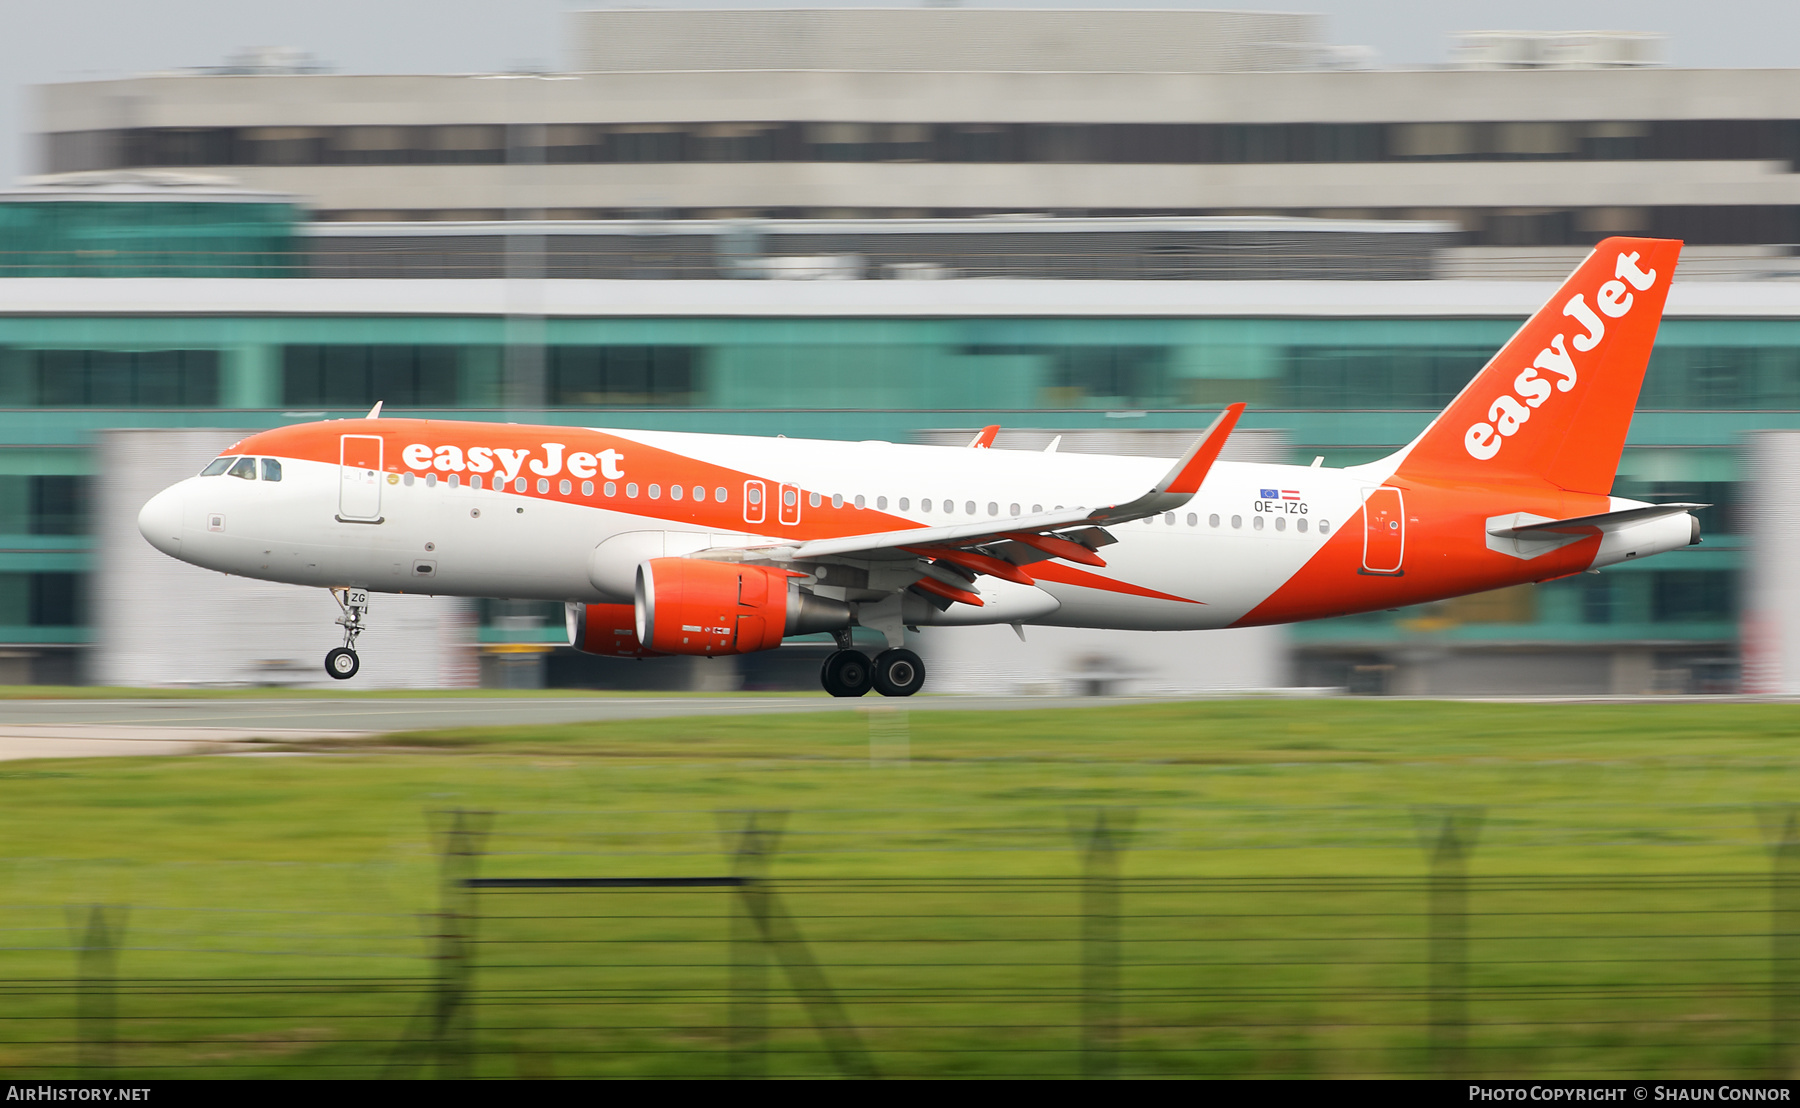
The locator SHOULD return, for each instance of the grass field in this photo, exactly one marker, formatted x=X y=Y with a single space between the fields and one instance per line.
x=1274 y=912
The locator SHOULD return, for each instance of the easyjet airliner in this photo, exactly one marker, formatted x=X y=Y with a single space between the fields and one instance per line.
x=662 y=543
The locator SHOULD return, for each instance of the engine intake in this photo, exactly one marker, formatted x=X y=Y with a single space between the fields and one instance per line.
x=609 y=629
x=687 y=606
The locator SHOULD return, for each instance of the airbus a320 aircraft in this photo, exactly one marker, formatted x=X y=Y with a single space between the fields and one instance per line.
x=664 y=544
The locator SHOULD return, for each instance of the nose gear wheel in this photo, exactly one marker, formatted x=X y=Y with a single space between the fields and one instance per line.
x=342 y=663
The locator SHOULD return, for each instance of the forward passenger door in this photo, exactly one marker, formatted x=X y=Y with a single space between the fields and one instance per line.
x=359 y=478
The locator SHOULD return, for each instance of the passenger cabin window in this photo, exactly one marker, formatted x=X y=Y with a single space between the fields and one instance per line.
x=217 y=466
x=245 y=468
x=271 y=469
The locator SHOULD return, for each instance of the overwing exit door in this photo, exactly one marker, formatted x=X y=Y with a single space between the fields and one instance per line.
x=1384 y=531
x=359 y=478
x=755 y=508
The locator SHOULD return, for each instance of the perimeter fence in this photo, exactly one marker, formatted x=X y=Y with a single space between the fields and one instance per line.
x=534 y=962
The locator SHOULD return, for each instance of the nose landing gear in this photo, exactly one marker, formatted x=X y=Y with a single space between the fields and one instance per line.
x=342 y=663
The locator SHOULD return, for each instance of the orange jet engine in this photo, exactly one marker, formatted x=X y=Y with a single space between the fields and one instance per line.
x=685 y=606
x=608 y=629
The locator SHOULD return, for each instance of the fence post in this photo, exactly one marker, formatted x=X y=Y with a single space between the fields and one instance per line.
x=1448 y=835
x=97 y=998
x=460 y=837
x=761 y=929
x=1781 y=827
x=1101 y=842
x=756 y=839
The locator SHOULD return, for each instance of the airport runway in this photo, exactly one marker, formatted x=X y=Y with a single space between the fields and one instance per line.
x=84 y=728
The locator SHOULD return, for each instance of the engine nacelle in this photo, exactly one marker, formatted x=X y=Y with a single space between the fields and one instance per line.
x=688 y=606
x=609 y=629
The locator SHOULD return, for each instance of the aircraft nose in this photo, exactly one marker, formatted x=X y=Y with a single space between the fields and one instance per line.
x=159 y=521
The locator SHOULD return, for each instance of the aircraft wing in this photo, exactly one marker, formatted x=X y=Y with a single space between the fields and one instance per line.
x=955 y=534
x=999 y=546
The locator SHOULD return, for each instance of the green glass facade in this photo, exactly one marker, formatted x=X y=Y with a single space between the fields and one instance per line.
x=1350 y=390
x=149 y=238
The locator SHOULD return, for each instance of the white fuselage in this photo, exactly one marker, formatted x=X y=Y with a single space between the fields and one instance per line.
x=496 y=543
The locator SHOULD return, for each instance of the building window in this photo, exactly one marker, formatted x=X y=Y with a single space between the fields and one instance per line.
x=1108 y=377
x=1597 y=600
x=40 y=600
x=853 y=141
x=626 y=376
x=358 y=376
x=43 y=505
x=111 y=379
x=1692 y=596
x=1340 y=377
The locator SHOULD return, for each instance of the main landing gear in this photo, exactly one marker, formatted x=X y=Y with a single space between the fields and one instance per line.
x=892 y=673
x=342 y=663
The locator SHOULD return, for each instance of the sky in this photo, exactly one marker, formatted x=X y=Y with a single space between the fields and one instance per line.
x=86 y=39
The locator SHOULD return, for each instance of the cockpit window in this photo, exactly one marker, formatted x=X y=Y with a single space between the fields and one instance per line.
x=245 y=468
x=217 y=466
x=271 y=469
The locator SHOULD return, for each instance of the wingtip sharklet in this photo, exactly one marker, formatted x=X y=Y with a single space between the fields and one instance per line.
x=1188 y=473
x=1183 y=480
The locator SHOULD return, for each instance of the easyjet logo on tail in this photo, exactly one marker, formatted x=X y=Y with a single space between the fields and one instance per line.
x=1511 y=411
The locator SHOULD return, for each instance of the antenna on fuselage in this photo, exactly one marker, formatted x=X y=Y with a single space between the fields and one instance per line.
x=375 y=412
x=1054 y=443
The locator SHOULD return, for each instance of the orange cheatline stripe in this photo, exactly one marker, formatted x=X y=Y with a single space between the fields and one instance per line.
x=949 y=592
x=1057 y=547
x=1069 y=575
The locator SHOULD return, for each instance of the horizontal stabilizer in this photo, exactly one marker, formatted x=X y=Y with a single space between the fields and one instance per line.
x=1594 y=524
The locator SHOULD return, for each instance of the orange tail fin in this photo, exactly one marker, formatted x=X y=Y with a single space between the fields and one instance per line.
x=1553 y=405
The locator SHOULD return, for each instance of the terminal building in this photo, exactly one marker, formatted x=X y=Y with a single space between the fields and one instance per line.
x=1523 y=141
x=833 y=224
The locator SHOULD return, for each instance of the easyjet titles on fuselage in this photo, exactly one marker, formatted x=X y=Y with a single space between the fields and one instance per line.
x=506 y=463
